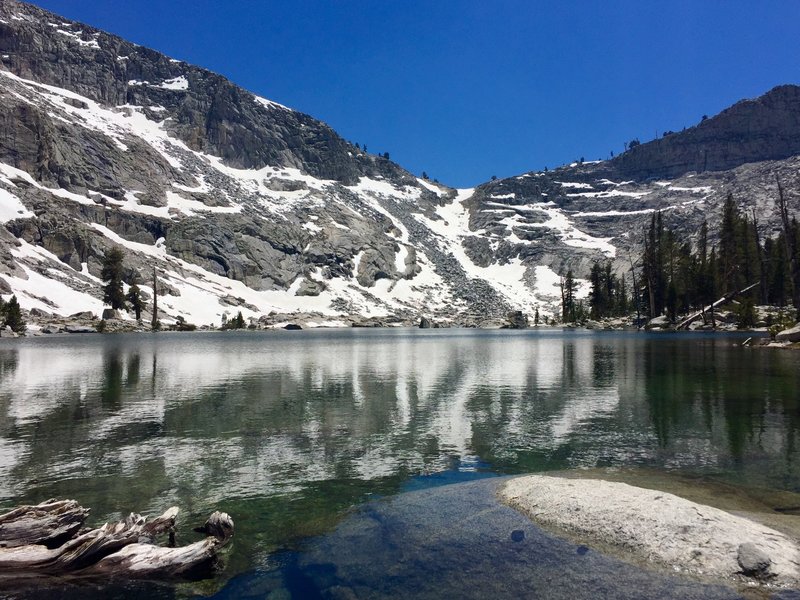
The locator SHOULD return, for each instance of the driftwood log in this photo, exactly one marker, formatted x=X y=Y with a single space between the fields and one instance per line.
x=49 y=539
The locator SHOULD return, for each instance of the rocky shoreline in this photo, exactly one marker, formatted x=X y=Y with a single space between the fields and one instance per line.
x=42 y=323
x=658 y=529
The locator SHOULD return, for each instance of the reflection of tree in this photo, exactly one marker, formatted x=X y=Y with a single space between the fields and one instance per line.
x=568 y=364
x=284 y=434
x=8 y=363
x=111 y=392
x=731 y=393
x=133 y=370
x=664 y=388
x=603 y=365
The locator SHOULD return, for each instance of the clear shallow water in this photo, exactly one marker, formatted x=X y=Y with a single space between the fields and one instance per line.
x=287 y=431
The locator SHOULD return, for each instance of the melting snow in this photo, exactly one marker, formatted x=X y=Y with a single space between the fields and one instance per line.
x=178 y=84
x=76 y=36
x=11 y=207
x=269 y=103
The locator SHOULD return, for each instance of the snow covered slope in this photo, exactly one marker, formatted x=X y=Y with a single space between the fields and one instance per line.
x=242 y=204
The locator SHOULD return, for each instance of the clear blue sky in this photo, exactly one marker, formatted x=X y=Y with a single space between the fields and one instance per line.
x=466 y=90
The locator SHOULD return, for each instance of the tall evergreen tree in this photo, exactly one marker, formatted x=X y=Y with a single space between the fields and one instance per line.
x=791 y=241
x=111 y=274
x=568 y=303
x=12 y=316
x=655 y=281
x=134 y=296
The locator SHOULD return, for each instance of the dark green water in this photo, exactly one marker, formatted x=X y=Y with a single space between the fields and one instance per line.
x=287 y=431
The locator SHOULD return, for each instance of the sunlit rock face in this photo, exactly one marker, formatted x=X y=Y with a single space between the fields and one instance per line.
x=241 y=203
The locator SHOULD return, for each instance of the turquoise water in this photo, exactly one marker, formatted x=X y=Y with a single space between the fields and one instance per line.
x=288 y=431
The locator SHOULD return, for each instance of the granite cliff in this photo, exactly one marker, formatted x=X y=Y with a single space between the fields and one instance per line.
x=242 y=204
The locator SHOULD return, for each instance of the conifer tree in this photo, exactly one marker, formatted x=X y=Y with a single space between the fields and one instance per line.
x=134 y=296
x=12 y=316
x=568 y=306
x=112 y=275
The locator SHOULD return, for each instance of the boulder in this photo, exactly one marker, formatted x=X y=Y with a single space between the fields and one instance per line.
x=7 y=332
x=110 y=313
x=516 y=319
x=79 y=329
x=424 y=323
x=51 y=329
x=789 y=335
x=661 y=322
x=753 y=561
x=87 y=314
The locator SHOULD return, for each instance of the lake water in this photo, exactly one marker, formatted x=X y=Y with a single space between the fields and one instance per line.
x=289 y=430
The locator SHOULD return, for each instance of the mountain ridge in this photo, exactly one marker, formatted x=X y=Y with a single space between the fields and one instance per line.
x=242 y=204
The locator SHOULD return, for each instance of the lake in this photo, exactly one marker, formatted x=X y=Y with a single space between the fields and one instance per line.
x=289 y=430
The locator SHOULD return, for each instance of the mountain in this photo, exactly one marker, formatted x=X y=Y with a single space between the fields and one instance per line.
x=242 y=204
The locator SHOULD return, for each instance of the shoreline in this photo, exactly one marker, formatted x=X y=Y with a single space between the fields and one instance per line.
x=654 y=528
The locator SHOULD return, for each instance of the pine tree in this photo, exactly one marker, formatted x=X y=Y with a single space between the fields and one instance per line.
x=655 y=280
x=112 y=275
x=135 y=298
x=597 y=292
x=568 y=306
x=12 y=316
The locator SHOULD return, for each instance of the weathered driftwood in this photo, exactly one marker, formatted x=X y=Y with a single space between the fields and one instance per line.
x=49 y=523
x=28 y=537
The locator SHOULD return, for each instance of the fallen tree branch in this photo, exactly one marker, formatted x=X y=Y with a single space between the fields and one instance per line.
x=726 y=298
x=127 y=547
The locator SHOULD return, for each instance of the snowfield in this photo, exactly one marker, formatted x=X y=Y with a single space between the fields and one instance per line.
x=426 y=224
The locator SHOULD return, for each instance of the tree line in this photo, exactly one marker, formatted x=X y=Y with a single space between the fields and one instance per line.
x=676 y=277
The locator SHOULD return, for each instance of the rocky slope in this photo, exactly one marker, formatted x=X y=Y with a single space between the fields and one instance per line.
x=240 y=203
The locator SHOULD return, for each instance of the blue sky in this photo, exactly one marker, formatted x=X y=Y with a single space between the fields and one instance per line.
x=466 y=90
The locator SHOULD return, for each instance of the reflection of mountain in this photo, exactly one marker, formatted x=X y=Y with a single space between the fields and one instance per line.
x=208 y=417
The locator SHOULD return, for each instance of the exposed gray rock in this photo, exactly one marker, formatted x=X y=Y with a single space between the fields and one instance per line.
x=517 y=320
x=661 y=322
x=305 y=219
x=82 y=315
x=789 y=335
x=766 y=128
x=79 y=329
x=110 y=313
x=654 y=526
x=753 y=560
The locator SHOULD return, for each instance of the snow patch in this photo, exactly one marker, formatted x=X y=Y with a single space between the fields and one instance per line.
x=12 y=207
x=269 y=103
x=178 y=84
x=76 y=37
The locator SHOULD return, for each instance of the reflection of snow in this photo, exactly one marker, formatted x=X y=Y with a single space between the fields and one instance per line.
x=581 y=409
x=242 y=415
